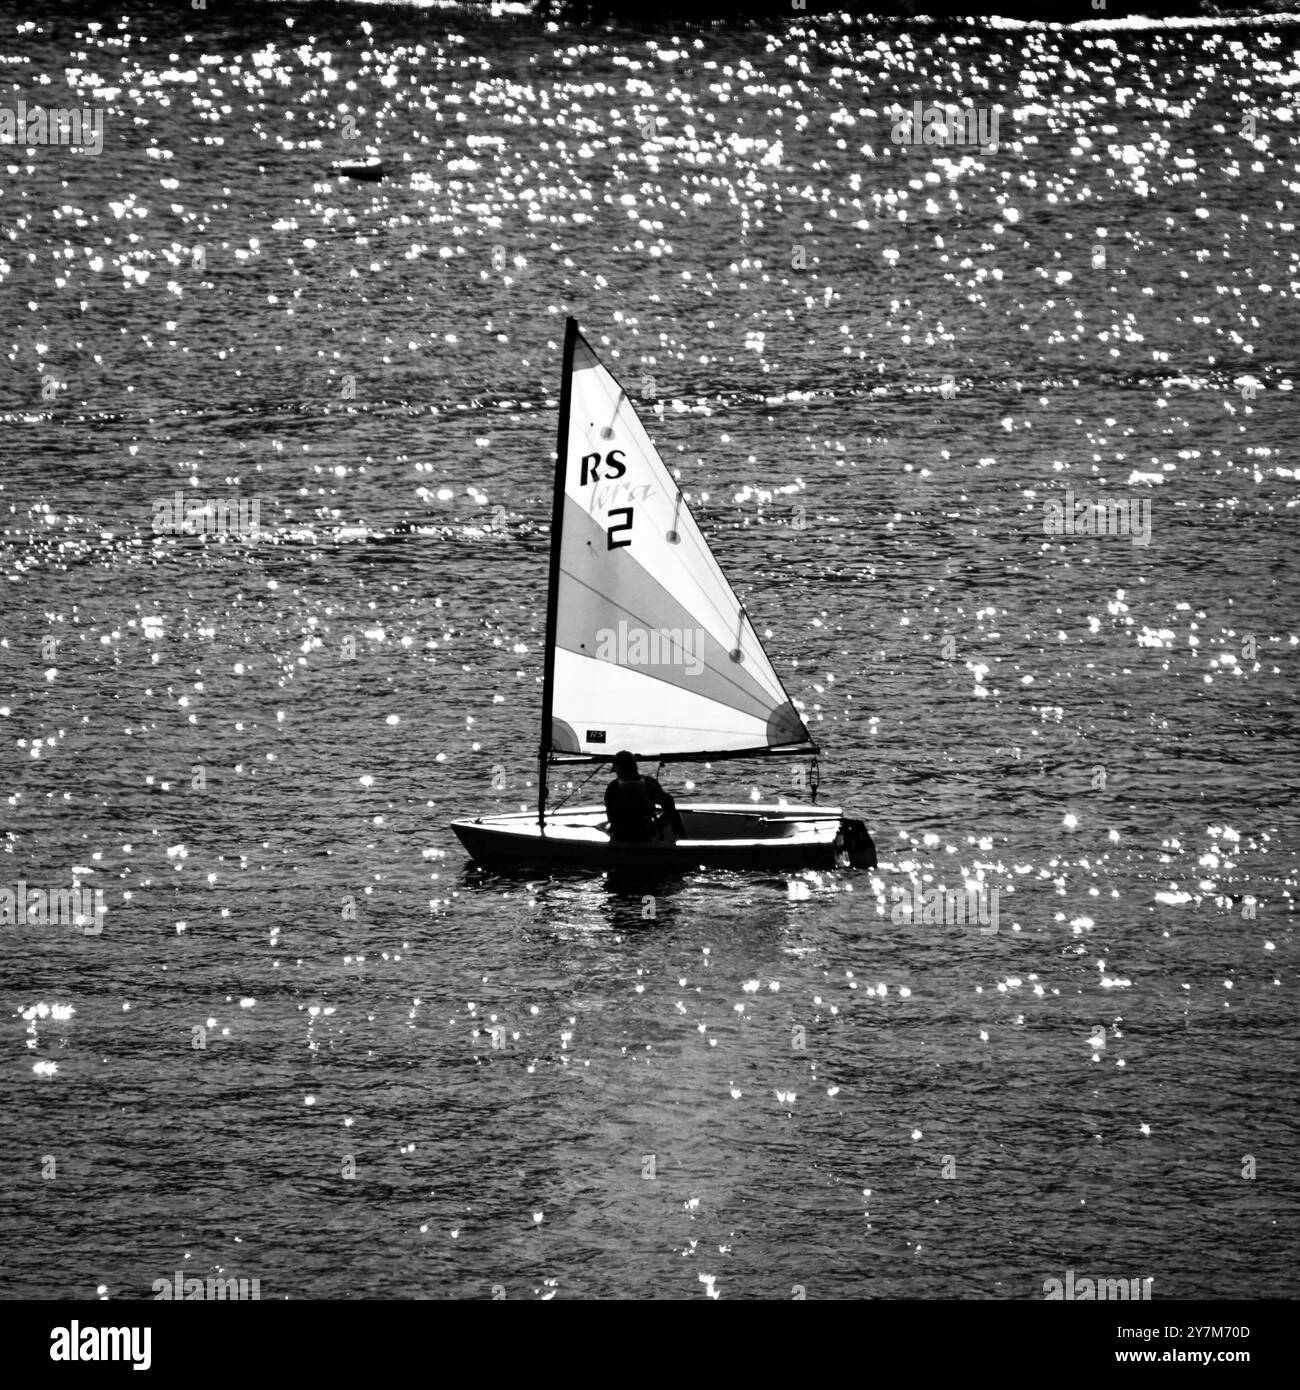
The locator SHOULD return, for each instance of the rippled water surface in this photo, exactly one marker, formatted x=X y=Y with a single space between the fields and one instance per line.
x=873 y=364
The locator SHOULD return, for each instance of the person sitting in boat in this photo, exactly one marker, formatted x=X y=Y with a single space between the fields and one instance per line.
x=631 y=801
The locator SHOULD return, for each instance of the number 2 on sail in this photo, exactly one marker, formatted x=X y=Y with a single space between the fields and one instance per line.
x=612 y=544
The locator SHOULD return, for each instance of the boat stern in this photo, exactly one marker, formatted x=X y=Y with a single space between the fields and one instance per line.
x=855 y=841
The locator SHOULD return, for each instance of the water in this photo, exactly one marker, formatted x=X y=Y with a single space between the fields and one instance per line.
x=298 y=976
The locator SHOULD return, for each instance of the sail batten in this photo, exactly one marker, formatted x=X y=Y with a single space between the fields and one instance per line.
x=648 y=647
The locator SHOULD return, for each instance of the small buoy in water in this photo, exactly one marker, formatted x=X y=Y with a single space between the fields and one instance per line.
x=370 y=170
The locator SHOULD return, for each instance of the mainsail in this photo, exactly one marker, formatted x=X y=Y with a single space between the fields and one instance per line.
x=648 y=647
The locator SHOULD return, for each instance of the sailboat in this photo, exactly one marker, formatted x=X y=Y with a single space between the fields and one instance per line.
x=649 y=650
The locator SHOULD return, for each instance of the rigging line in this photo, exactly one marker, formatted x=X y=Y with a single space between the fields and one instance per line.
x=577 y=789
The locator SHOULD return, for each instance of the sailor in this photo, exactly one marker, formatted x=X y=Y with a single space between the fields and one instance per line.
x=631 y=801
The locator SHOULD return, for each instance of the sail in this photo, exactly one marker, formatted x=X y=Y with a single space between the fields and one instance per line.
x=652 y=650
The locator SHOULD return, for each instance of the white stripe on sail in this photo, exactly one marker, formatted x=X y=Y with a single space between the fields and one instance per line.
x=607 y=711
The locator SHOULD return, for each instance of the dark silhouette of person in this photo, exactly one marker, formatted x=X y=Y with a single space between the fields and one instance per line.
x=631 y=801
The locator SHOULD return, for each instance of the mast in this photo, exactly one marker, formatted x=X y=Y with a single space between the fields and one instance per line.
x=553 y=586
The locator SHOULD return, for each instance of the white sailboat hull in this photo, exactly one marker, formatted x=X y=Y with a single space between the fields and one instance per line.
x=718 y=835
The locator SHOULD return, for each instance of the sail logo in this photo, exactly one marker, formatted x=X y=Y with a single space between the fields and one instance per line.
x=81 y=127
x=606 y=493
x=945 y=907
x=195 y=1291
x=1086 y=1290
x=197 y=516
x=631 y=645
x=77 y=1343
x=946 y=125
x=1120 y=516
x=613 y=463
x=53 y=907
